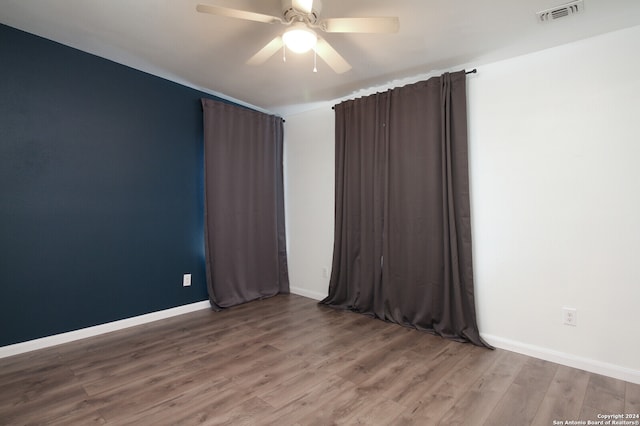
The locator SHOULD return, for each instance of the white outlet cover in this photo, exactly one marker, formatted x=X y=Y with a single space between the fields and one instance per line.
x=186 y=280
x=570 y=316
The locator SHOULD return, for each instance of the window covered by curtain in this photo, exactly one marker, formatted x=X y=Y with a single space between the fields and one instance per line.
x=402 y=249
x=245 y=247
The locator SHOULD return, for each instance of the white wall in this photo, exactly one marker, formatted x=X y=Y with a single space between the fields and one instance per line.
x=555 y=174
x=309 y=185
x=555 y=189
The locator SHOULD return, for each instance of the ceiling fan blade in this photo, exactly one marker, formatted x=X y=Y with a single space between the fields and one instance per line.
x=305 y=6
x=238 y=14
x=266 y=52
x=331 y=57
x=361 y=25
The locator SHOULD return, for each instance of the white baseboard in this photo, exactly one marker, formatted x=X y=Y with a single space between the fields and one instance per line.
x=70 y=336
x=307 y=293
x=591 y=365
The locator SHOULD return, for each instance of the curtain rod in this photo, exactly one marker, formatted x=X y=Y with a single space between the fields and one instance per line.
x=473 y=71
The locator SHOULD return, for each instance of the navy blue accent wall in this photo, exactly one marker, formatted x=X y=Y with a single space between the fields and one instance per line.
x=101 y=190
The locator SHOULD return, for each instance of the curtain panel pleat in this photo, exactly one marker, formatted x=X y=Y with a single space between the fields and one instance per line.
x=245 y=241
x=402 y=248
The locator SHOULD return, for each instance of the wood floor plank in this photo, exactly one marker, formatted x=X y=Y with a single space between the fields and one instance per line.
x=588 y=413
x=66 y=411
x=632 y=399
x=151 y=365
x=390 y=375
x=336 y=361
x=313 y=399
x=182 y=403
x=340 y=407
x=288 y=361
x=524 y=396
x=122 y=402
x=390 y=348
x=289 y=390
x=564 y=398
x=31 y=383
x=429 y=373
x=603 y=395
x=475 y=405
x=380 y=412
x=59 y=401
x=518 y=404
x=443 y=396
x=248 y=413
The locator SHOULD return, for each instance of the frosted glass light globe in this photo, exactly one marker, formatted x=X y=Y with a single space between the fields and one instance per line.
x=299 y=38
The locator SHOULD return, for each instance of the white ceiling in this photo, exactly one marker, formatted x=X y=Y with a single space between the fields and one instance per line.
x=170 y=39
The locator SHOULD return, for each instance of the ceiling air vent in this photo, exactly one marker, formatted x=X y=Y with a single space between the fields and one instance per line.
x=561 y=11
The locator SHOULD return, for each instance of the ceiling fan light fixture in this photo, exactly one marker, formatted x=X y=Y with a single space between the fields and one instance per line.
x=299 y=38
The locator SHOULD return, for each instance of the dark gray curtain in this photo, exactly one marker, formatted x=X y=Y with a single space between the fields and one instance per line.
x=245 y=247
x=402 y=249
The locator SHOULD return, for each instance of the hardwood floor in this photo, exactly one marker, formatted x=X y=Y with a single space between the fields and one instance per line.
x=286 y=361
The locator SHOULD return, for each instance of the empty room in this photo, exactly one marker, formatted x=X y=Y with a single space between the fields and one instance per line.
x=306 y=212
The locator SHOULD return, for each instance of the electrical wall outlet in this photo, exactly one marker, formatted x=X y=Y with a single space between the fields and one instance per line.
x=570 y=316
x=325 y=272
x=186 y=280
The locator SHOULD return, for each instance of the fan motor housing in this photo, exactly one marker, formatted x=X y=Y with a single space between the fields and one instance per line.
x=290 y=14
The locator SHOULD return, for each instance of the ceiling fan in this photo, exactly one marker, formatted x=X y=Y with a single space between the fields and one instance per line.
x=303 y=19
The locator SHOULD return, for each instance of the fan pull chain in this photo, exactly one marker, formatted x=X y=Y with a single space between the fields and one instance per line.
x=284 y=52
x=315 y=54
